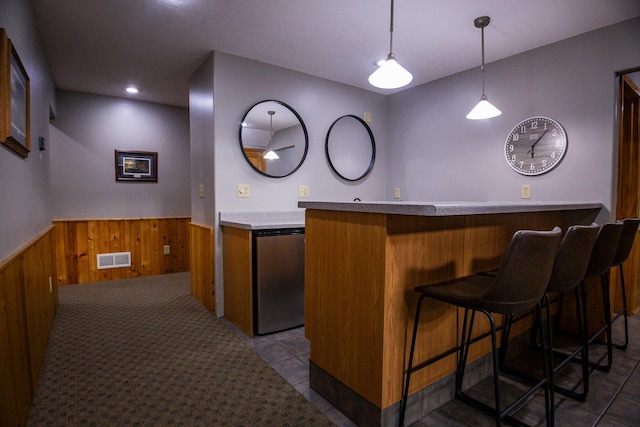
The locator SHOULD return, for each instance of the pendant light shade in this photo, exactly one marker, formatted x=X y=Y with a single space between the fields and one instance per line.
x=484 y=109
x=270 y=154
x=390 y=75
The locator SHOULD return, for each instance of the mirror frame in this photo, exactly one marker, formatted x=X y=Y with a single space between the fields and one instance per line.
x=304 y=129
x=373 y=148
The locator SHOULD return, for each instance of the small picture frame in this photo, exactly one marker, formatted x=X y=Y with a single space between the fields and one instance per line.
x=136 y=166
x=15 y=99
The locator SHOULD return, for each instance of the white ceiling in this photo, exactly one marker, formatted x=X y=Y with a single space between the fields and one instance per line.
x=100 y=46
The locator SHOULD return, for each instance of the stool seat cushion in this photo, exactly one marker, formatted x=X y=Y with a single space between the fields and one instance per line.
x=517 y=286
x=471 y=292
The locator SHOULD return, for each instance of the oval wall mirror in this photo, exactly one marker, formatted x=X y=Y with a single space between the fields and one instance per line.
x=273 y=138
x=350 y=148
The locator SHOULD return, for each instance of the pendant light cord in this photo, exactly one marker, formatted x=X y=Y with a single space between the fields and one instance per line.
x=482 y=66
x=391 y=30
x=270 y=113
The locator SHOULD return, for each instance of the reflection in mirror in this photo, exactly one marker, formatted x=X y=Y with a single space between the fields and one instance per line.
x=350 y=148
x=273 y=127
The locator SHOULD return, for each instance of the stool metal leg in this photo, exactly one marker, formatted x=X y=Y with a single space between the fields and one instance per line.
x=547 y=361
x=607 y=318
x=546 y=348
x=405 y=393
x=623 y=313
x=465 y=343
x=504 y=342
x=604 y=282
x=502 y=414
x=569 y=357
x=584 y=355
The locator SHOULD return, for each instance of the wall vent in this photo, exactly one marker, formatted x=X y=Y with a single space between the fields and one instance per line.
x=114 y=260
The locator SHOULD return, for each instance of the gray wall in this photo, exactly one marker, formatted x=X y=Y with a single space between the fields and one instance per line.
x=437 y=154
x=202 y=136
x=239 y=84
x=24 y=209
x=84 y=137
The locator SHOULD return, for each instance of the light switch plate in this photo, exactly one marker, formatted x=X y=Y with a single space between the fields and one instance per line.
x=396 y=193
x=303 y=191
x=167 y=249
x=526 y=191
x=367 y=117
x=202 y=191
x=244 y=190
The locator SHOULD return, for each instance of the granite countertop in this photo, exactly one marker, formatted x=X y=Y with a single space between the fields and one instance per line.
x=447 y=208
x=263 y=220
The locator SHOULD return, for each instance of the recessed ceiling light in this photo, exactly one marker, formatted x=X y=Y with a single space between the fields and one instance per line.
x=132 y=89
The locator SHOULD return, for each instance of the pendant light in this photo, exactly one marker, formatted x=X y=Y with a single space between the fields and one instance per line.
x=484 y=109
x=390 y=75
x=270 y=154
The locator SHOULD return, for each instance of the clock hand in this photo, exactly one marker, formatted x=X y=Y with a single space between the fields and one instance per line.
x=531 y=150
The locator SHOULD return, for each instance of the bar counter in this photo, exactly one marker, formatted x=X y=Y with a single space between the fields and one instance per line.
x=363 y=260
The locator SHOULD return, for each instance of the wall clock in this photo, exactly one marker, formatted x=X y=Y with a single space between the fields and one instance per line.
x=535 y=146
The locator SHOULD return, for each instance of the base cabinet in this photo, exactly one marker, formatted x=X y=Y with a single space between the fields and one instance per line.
x=263 y=278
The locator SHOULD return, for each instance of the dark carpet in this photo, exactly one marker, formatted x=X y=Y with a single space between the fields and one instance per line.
x=144 y=352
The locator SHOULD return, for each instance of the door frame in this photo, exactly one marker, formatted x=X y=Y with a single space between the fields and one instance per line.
x=628 y=185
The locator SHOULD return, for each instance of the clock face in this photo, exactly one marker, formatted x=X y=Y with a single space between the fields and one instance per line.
x=535 y=146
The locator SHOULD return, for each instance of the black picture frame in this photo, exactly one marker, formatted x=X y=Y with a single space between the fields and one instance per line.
x=136 y=166
x=15 y=107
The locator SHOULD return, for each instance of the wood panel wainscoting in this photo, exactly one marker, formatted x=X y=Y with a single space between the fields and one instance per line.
x=238 y=281
x=28 y=301
x=79 y=241
x=202 y=265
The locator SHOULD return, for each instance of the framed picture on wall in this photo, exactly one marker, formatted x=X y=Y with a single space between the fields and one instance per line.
x=14 y=100
x=140 y=166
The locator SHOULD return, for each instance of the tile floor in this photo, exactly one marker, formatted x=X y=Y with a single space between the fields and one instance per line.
x=613 y=400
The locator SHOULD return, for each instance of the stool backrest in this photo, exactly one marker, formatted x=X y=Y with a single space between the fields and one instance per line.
x=573 y=257
x=604 y=249
x=525 y=269
x=629 y=230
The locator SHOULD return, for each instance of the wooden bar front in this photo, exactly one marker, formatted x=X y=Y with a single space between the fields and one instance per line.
x=361 y=269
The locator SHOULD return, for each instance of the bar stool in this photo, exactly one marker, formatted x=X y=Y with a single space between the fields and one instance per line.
x=600 y=263
x=518 y=286
x=569 y=268
x=629 y=231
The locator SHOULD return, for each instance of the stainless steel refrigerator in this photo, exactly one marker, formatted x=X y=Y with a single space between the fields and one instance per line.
x=278 y=279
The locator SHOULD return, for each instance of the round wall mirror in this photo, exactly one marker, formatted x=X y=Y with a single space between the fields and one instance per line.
x=273 y=138
x=350 y=148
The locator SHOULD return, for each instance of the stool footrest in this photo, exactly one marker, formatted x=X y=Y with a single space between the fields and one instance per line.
x=463 y=397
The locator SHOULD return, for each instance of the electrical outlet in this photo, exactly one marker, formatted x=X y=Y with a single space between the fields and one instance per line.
x=367 y=117
x=396 y=193
x=167 y=249
x=202 y=191
x=526 y=191
x=243 y=190
x=303 y=191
